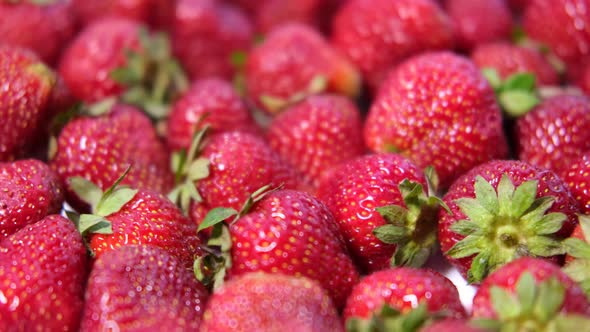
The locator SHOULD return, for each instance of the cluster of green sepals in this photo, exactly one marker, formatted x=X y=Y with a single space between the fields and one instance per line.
x=517 y=94
x=579 y=268
x=389 y=319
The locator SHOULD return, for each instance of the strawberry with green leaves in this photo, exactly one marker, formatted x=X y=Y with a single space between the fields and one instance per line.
x=501 y=211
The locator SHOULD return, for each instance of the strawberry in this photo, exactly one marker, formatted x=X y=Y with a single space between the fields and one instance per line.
x=503 y=210
x=553 y=135
x=578 y=254
x=42 y=275
x=577 y=177
x=142 y=288
x=378 y=34
x=438 y=110
x=451 y=325
x=479 y=21
x=30 y=192
x=209 y=102
x=294 y=61
x=317 y=134
x=401 y=297
x=270 y=302
x=24 y=94
x=42 y=26
x=101 y=148
x=531 y=294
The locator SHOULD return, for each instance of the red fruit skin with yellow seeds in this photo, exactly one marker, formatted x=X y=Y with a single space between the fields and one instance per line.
x=577 y=177
x=142 y=288
x=353 y=191
x=376 y=35
x=318 y=134
x=438 y=110
x=403 y=289
x=292 y=232
x=30 y=191
x=43 y=269
x=554 y=134
x=270 y=302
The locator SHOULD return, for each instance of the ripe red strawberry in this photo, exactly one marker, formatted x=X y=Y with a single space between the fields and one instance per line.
x=503 y=210
x=317 y=134
x=211 y=102
x=402 y=291
x=30 y=191
x=142 y=288
x=294 y=61
x=508 y=59
x=270 y=302
x=532 y=294
x=42 y=276
x=24 y=94
x=42 y=26
x=451 y=325
x=378 y=34
x=438 y=110
x=554 y=134
x=577 y=177
x=101 y=148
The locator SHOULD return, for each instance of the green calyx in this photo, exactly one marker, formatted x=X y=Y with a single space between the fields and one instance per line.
x=517 y=94
x=276 y=104
x=152 y=76
x=389 y=319
x=412 y=228
x=579 y=268
x=505 y=224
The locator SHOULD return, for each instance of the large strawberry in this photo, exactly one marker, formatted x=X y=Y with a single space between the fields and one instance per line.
x=503 y=210
x=42 y=276
x=378 y=34
x=577 y=177
x=142 y=288
x=30 y=191
x=270 y=302
x=437 y=109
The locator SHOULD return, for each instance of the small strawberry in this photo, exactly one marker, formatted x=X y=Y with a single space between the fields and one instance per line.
x=42 y=276
x=577 y=260
x=577 y=177
x=142 y=288
x=503 y=210
x=438 y=110
x=378 y=34
x=270 y=302
x=30 y=191
x=317 y=134
x=293 y=62
x=401 y=297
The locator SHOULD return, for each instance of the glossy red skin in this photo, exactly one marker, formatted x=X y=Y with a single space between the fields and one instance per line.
x=439 y=110
x=577 y=177
x=97 y=50
x=100 y=149
x=451 y=325
x=376 y=36
x=549 y=184
x=509 y=59
x=554 y=134
x=216 y=31
x=270 y=302
x=142 y=288
x=292 y=232
x=353 y=191
x=318 y=134
x=30 y=191
x=43 y=269
x=403 y=289
x=506 y=277
x=212 y=101
x=44 y=29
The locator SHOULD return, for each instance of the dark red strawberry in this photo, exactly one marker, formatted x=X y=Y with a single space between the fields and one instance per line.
x=554 y=134
x=452 y=325
x=30 y=191
x=317 y=134
x=577 y=259
x=401 y=297
x=378 y=34
x=270 y=302
x=503 y=210
x=294 y=61
x=577 y=177
x=26 y=89
x=142 y=288
x=209 y=102
x=42 y=276
x=437 y=109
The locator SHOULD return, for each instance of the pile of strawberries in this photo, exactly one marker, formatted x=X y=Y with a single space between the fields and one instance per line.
x=294 y=165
